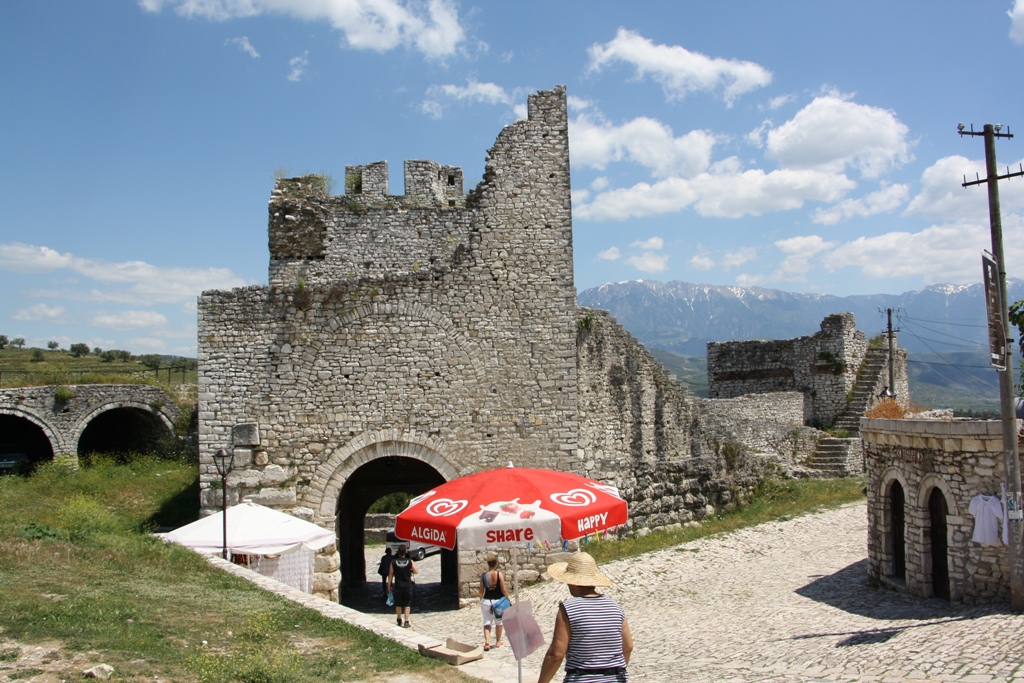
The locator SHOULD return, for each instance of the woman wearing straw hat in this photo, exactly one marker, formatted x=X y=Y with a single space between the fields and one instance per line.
x=591 y=631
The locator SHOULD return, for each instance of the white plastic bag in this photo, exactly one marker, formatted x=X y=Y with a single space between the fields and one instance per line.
x=522 y=629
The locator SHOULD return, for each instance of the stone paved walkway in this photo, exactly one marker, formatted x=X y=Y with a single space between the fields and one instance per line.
x=785 y=601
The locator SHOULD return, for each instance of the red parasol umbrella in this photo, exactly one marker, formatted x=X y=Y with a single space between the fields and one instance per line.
x=511 y=507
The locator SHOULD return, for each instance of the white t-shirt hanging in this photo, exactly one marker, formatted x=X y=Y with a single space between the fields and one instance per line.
x=988 y=512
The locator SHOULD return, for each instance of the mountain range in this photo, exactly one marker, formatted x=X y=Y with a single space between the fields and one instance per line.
x=943 y=327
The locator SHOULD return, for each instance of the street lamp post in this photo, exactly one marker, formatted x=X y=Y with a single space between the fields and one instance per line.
x=224 y=460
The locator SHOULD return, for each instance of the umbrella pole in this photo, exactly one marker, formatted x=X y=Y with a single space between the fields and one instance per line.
x=515 y=584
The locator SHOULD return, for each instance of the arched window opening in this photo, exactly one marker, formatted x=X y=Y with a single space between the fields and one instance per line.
x=938 y=510
x=897 y=526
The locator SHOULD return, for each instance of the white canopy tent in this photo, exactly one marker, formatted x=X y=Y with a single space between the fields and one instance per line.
x=283 y=546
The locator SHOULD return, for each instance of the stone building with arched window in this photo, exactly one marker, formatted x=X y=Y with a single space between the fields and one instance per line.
x=922 y=477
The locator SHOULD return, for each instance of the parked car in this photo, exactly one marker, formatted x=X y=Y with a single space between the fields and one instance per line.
x=14 y=463
x=417 y=550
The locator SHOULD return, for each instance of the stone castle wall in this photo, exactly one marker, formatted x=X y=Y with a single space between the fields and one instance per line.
x=822 y=366
x=442 y=329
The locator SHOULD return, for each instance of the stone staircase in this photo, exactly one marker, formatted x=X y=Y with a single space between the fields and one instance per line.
x=844 y=457
x=872 y=370
x=837 y=457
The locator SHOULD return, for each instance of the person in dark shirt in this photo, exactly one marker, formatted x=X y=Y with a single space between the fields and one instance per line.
x=401 y=584
x=384 y=569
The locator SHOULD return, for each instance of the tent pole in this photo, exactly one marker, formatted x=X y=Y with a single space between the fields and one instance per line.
x=515 y=584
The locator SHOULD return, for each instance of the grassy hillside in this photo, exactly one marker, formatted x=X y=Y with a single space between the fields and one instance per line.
x=35 y=367
x=690 y=370
x=80 y=576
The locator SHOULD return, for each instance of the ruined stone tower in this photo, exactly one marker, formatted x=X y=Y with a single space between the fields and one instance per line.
x=402 y=340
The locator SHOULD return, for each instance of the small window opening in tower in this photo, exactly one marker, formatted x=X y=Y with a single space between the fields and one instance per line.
x=451 y=180
x=451 y=202
x=357 y=186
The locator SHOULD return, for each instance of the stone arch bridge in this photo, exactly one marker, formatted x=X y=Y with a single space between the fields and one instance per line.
x=68 y=421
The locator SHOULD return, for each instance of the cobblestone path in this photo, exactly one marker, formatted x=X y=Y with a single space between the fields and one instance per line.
x=785 y=601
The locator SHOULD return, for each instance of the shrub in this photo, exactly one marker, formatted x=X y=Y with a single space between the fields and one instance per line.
x=83 y=517
x=37 y=356
x=3 y=341
x=79 y=350
x=64 y=394
x=887 y=409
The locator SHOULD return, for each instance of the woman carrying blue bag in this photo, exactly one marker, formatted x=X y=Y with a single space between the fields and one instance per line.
x=494 y=599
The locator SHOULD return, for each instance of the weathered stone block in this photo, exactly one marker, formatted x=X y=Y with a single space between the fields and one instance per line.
x=245 y=434
x=326 y=581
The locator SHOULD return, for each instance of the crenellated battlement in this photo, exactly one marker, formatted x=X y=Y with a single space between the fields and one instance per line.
x=428 y=184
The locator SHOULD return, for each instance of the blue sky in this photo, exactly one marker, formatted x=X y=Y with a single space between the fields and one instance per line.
x=804 y=146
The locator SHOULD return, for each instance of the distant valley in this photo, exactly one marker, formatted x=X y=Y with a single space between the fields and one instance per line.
x=941 y=326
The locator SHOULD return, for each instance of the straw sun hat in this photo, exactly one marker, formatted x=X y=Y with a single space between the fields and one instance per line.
x=580 y=570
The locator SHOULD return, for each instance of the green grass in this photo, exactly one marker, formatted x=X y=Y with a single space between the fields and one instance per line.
x=59 y=367
x=774 y=500
x=77 y=567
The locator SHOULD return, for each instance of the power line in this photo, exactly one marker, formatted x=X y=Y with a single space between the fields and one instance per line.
x=966 y=374
x=942 y=322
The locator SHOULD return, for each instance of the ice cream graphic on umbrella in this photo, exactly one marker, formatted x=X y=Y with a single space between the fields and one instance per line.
x=504 y=510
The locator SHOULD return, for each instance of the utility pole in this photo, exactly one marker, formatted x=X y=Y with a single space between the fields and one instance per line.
x=1006 y=403
x=892 y=381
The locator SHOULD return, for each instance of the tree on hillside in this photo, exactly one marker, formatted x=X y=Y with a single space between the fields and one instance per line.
x=37 y=356
x=53 y=346
x=152 y=361
x=3 y=341
x=79 y=350
x=18 y=341
x=1017 y=320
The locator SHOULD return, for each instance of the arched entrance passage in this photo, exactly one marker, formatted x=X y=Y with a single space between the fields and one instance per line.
x=371 y=481
x=937 y=511
x=124 y=430
x=19 y=435
x=897 y=524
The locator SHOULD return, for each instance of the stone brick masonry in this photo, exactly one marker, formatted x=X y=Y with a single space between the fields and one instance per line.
x=436 y=333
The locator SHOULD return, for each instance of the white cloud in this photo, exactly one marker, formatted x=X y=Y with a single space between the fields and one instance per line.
x=578 y=103
x=649 y=262
x=880 y=201
x=129 y=281
x=780 y=101
x=123 y=320
x=40 y=312
x=942 y=196
x=432 y=109
x=609 y=254
x=645 y=141
x=748 y=280
x=799 y=251
x=678 y=70
x=599 y=183
x=489 y=93
x=244 y=45
x=366 y=24
x=738 y=257
x=149 y=345
x=702 y=262
x=520 y=112
x=756 y=136
x=1017 y=22
x=299 y=65
x=832 y=133
x=472 y=92
x=940 y=253
x=728 y=195
x=652 y=244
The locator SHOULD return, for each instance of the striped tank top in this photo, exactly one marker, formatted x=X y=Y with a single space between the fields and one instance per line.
x=595 y=639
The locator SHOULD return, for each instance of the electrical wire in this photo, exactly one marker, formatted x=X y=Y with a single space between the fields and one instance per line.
x=969 y=341
x=943 y=322
x=966 y=374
